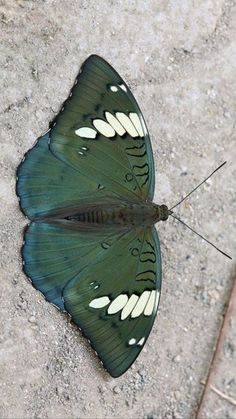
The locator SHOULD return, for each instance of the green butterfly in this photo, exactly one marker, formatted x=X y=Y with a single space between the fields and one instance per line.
x=87 y=187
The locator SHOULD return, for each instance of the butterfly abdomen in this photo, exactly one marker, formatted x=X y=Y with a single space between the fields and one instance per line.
x=127 y=215
x=91 y=216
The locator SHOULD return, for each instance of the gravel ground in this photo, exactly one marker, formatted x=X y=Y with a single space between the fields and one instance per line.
x=179 y=57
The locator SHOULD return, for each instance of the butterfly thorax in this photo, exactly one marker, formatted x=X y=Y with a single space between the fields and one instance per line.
x=125 y=214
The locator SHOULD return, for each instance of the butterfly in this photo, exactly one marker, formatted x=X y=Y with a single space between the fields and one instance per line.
x=87 y=187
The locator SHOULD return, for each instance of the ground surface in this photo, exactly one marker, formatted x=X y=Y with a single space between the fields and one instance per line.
x=179 y=57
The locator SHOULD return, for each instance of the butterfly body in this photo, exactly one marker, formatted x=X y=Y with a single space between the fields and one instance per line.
x=87 y=188
x=127 y=215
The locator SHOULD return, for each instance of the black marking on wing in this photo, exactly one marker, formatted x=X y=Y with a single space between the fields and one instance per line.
x=142 y=171
x=135 y=252
x=148 y=260
x=129 y=177
x=150 y=244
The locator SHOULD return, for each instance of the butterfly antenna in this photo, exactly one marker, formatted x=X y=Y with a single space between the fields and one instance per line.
x=219 y=167
x=190 y=228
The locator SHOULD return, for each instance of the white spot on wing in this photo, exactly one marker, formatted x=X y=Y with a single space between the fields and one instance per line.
x=117 y=304
x=141 y=304
x=129 y=306
x=86 y=132
x=104 y=128
x=136 y=121
x=150 y=304
x=141 y=341
x=114 y=89
x=114 y=123
x=127 y=124
x=122 y=86
x=132 y=341
x=99 y=302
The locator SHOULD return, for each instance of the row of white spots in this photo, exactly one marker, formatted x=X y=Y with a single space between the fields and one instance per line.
x=133 y=341
x=99 y=302
x=115 y=89
x=104 y=128
x=132 y=306
x=118 y=124
x=127 y=123
x=86 y=132
x=117 y=304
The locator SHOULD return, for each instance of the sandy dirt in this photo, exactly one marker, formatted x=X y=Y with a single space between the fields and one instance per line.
x=179 y=57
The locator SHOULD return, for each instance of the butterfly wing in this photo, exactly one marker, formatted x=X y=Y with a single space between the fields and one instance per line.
x=109 y=282
x=65 y=169
x=100 y=131
x=54 y=253
x=115 y=300
x=46 y=184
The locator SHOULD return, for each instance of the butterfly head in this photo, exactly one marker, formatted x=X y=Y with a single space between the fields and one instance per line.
x=164 y=212
x=161 y=212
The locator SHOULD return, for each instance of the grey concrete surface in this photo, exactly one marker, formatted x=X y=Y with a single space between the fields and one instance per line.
x=179 y=57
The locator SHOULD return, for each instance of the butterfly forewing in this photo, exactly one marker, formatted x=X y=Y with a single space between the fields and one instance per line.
x=101 y=132
x=46 y=184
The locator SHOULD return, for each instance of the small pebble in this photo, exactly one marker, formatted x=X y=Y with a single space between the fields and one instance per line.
x=177 y=395
x=32 y=319
x=214 y=295
x=227 y=115
x=184 y=170
x=116 y=390
x=176 y=359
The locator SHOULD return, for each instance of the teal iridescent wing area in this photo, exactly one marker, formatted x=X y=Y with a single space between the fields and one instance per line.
x=109 y=282
x=64 y=169
x=55 y=253
x=46 y=184
x=100 y=131
x=115 y=299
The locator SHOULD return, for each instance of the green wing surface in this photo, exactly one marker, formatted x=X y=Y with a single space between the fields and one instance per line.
x=100 y=131
x=45 y=184
x=96 y=152
x=109 y=283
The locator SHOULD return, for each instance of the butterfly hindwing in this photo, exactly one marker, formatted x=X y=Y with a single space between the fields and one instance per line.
x=54 y=253
x=100 y=131
x=114 y=300
x=108 y=281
